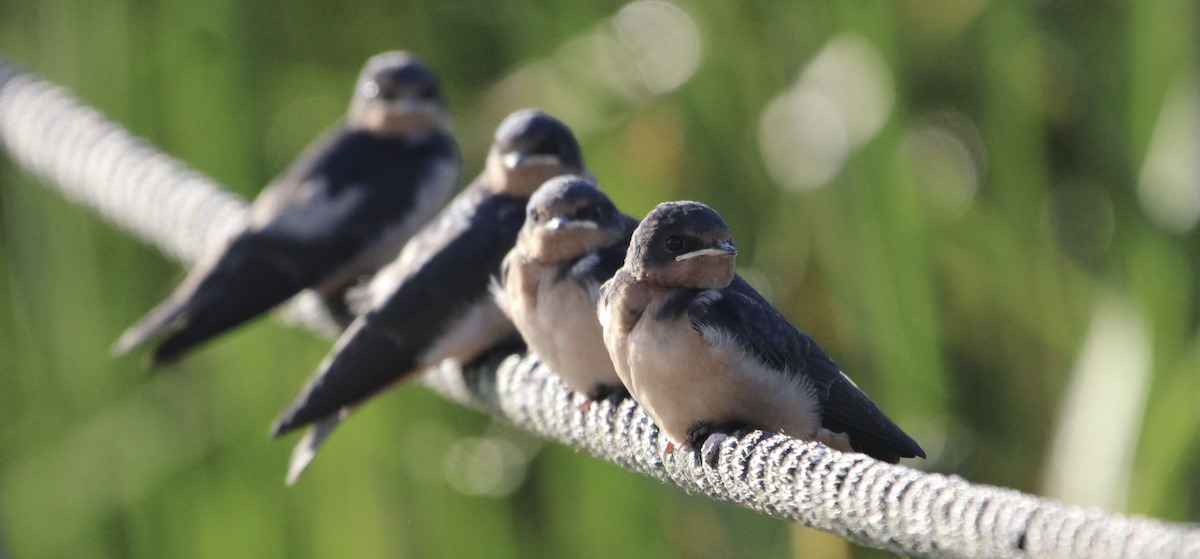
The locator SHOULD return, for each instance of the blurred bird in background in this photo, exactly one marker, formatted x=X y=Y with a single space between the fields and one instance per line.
x=433 y=302
x=340 y=212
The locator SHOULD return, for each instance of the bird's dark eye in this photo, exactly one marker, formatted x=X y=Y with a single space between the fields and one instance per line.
x=674 y=243
x=533 y=216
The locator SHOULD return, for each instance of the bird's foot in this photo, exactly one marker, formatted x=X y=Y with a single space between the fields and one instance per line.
x=613 y=394
x=710 y=452
x=696 y=434
x=606 y=392
x=707 y=439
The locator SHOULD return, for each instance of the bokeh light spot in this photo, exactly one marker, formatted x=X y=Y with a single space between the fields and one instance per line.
x=839 y=103
x=486 y=467
x=596 y=80
x=852 y=73
x=942 y=167
x=803 y=140
x=665 y=40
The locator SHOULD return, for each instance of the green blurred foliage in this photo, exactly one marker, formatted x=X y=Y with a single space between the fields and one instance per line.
x=962 y=325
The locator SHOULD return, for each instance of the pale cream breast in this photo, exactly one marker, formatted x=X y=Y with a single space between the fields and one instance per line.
x=513 y=292
x=570 y=329
x=617 y=313
x=558 y=320
x=683 y=378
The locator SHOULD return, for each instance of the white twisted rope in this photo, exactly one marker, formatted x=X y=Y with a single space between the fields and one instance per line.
x=95 y=162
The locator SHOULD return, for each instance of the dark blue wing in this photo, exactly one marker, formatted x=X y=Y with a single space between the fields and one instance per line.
x=765 y=333
x=338 y=200
x=383 y=346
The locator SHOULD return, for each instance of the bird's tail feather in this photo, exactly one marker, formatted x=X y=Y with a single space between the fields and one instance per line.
x=363 y=363
x=153 y=324
x=849 y=410
x=211 y=320
x=211 y=302
x=306 y=449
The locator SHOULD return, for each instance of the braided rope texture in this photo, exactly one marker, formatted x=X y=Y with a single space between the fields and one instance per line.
x=99 y=164
x=95 y=162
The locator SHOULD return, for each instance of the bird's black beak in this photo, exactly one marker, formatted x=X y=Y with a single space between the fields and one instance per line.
x=722 y=249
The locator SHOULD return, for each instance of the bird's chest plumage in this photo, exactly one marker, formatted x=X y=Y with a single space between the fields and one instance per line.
x=684 y=377
x=676 y=376
x=557 y=317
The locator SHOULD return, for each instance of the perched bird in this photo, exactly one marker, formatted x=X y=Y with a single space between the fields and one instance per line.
x=433 y=302
x=344 y=209
x=704 y=353
x=574 y=239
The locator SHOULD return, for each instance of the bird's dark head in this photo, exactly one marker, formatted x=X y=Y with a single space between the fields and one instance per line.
x=682 y=244
x=530 y=148
x=397 y=94
x=569 y=217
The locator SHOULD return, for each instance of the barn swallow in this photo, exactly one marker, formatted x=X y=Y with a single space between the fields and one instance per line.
x=704 y=353
x=573 y=240
x=340 y=212
x=433 y=303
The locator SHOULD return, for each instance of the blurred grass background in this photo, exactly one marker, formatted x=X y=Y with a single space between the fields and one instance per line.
x=983 y=210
